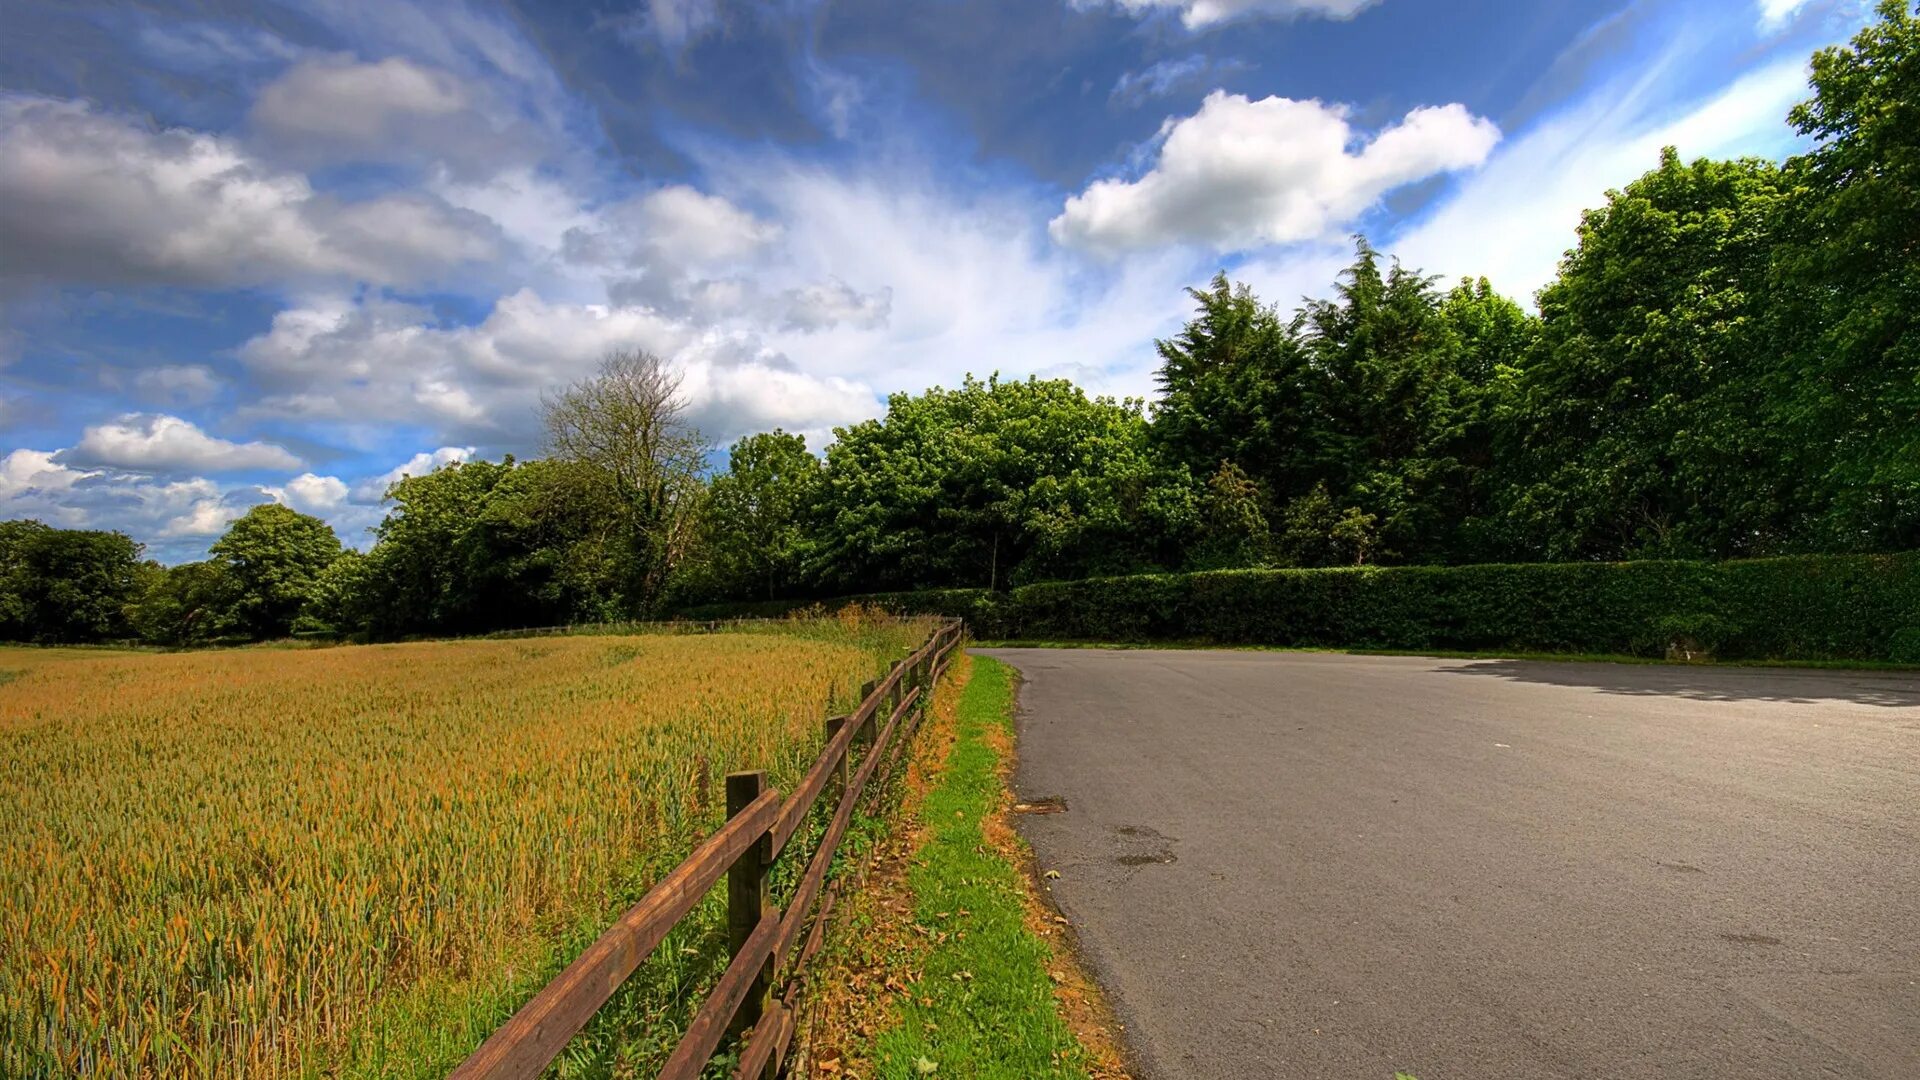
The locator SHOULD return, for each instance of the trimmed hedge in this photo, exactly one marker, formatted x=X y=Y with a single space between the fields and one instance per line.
x=1847 y=607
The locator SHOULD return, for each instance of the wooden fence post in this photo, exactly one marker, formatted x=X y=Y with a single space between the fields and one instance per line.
x=747 y=899
x=834 y=725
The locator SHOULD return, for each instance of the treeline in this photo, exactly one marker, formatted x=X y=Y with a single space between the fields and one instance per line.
x=1727 y=365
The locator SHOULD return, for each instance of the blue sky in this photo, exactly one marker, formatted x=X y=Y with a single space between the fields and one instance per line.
x=254 y=252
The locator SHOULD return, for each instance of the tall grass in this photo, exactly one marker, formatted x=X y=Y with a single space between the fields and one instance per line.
x=272 y=862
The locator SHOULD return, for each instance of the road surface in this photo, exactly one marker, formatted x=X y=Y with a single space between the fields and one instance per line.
x=1317 y=865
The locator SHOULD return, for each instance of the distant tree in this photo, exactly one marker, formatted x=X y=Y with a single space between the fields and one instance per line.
x=550 y=547
x=188 y=604
x=758 y=513
x=420 y=577
x=996 y=483
x=19 y=579
x=271 y=557
x=66 y=585
x=629 y=421
x=342 y=600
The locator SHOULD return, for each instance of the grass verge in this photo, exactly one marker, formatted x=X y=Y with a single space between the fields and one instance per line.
x=953 y=941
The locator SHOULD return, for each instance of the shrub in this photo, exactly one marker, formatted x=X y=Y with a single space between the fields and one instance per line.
x=1904 y=646
x=1816 y=607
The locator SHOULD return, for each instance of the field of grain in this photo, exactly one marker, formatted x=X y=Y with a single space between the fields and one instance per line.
x=277 y=861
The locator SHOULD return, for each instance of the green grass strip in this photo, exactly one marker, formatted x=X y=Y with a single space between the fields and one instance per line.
x=984 y=1005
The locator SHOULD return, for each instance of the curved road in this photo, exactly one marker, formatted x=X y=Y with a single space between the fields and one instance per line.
x=1317 y=865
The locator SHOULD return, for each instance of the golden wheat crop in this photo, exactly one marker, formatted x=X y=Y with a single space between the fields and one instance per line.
x=222 y=863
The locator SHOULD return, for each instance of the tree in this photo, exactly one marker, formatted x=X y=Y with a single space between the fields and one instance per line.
x=188 y=604
x=1851 y=275
x=1233 y=531
x=996 y=483
x=342 y=600
x=758 y=513
x=272 y=556
x=66 y=585
x=1640 y=422
x=1232 y=385
x=629 y=421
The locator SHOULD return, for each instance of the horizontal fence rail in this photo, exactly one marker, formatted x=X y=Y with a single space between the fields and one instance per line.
x=758 y=994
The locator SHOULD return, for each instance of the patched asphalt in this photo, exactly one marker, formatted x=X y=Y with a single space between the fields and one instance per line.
x=1318 y=865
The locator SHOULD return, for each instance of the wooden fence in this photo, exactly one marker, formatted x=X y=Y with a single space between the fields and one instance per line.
x=758 y=995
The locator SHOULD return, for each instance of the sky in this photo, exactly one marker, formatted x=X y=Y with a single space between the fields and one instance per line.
x=254 y=252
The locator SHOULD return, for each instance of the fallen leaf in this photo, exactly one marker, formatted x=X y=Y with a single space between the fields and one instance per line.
x=925 y=1066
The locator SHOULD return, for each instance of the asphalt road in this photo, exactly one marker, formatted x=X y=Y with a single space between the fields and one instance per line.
x=1309 y=865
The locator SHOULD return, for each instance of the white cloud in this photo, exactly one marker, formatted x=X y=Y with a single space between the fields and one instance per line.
x=309 y=493
x=207 y=513
x=973 y=283
x=181 y=515
x=337 y=108
x=1241 y=174
x=1197 y=14
x=1512 y=220
x=1775 y=14
x=90 y=197
x=374 y=488
x=833 y=302
x=157 y=443
x=675 y=227
x=375 y=359
x=26 y=473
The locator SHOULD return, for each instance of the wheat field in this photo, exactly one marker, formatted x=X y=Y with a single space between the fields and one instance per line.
x=287 y=861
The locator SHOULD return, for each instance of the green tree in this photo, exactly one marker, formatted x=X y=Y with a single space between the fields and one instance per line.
x=629 y=421
x=1233 y=389
x=1396 y=421
x=1851 y=276
x=994 y=483
x=272 y=556
x=66 y=585
x=343 y=599
x=758 y=513
x=1233 y=532
x=188 y=604
x=1639 y=424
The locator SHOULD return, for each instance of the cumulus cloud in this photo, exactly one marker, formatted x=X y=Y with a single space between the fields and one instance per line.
x=374 y=488
x=29 y=472
x=1199 y=14
x=1240 y=174
x=180 y=516
x=675 y=227
x=90 y=197
x=371 y=359
x=157 y=443
x=338 y=108
x=309 y=493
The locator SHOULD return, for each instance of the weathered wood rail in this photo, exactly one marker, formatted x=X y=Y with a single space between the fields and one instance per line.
x=757 y=996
